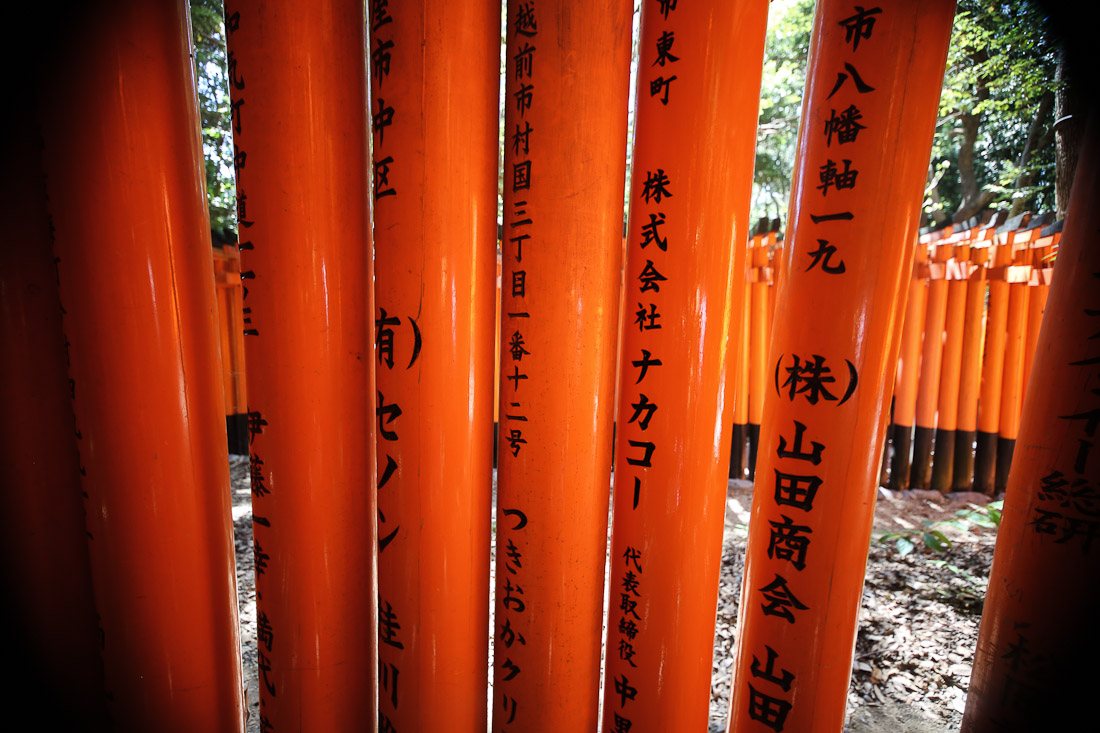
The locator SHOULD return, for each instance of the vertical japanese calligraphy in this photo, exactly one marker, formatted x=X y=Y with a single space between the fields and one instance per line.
x=158 y=507
x=861 y=163
x=564 y=163
x=1039 y=623
x=434 y=238
x=684 y=283
x=299 y=104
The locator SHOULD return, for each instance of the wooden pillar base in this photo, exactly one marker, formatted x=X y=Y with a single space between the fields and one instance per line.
x=902 y=438
x=943 y=462
x=964 y=460
x=753 y=432
x=737 y=452
x=985 y=462
x=920 y=474
x=1005 y=448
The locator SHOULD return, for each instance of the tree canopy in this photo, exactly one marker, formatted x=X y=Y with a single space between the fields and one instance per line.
x=996 y=144
x=994 y=140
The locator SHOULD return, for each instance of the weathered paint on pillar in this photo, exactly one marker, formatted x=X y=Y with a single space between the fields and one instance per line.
x=698 y=94
x=1038 y=627
x=905 y=386
x=970 y=370
x=124 y=176
x=435 y=133
x=564 y=164
x=49 y=621
x=834 y=351
x=947 y=411
x=299 y=92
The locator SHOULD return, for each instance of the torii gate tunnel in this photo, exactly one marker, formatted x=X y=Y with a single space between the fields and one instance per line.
x=489 y=457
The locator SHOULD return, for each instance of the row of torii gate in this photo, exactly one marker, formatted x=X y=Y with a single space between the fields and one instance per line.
x=369 y=436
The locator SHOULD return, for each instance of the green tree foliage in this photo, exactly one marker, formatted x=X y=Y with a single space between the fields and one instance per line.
x=782 y=85
x=208 y=30
x=993 y=142
x=994 y=139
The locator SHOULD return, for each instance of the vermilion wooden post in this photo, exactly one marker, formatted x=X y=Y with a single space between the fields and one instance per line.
x=49 y=620
x=299 y=92
x=227 y=276
x=564 y=164
x=931 y=363
x=905 y=385
x=1041 y=254
x=970 y=371
x=1039 y=618
x=1012 y=385
x=740 y=330
x=993 y=362
x=132 y=239
x=759 y=316
x=435 y=285
x=685 y=280
x=849 y=257
x=958 y=272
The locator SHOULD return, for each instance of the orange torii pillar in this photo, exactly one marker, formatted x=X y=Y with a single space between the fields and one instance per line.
x=759 y=316
x=1041 y=259
x=299 y=93
x=227 y=277
x=920 y=477
x=1039 y=618
x=905 y=384
x=849 y=257
x=132 y=240
x=689 y=199
x=970 y=370
x=435 y=285
x=1012 y=385
x=958 y=273
x=993 y=364
x=566 y=89
x=49 y=622
x=739 y=364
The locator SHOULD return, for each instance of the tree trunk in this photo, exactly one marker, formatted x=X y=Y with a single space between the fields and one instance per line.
x=974 y=198
x=1068 y=111
x=1035 y=140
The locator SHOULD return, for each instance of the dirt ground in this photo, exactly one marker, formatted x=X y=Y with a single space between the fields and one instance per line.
x=918 y=620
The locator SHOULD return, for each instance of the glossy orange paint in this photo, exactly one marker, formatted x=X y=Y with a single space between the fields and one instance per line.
x=672 y=445
x=564 y=163
x=1039 y=617
x=435 y=285
x=823 y=440
x=124 y=177
x=49 y=621
x=299 y=91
